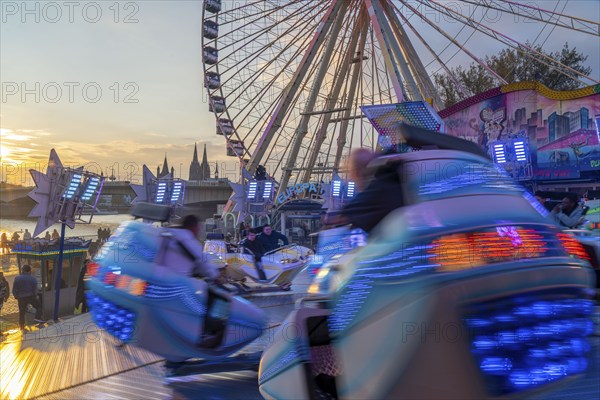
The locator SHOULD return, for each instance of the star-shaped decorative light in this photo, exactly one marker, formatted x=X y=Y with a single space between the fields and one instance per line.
x=61 y=194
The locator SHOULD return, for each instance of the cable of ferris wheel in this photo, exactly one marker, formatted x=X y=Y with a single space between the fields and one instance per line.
x=252 y=56
x=242 y=7
x=351 y=94
x=283 y=105
x=424 y=84
x=246 y=147
x=303 y=11
x=302 y=127
x=345 y=61
x=593 y=30
x=456 y=82
x=266 y=88
x=507 y=40
x=444 y=33
x=458 y=50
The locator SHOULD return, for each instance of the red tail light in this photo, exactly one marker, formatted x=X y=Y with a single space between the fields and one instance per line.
x=572 y=246
x=92 y=269
x=472 y=249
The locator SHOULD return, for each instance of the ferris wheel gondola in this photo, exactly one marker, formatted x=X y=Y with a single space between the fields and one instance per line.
x=286 y=79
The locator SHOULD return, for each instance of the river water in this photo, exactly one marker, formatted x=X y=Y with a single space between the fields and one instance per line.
x=81 y=230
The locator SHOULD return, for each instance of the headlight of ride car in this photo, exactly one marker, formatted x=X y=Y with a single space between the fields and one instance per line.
x=322 y=282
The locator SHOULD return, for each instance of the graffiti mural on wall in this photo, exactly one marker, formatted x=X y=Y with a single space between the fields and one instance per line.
x=559 y=128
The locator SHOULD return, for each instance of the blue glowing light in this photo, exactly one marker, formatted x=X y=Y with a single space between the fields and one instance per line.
x=520 y=151
x=177 y=192
x=553 y=343
x=116 y=320
x=252 y=189
x=268 y=188
x=336 y=188
x=350 y=189
x=90 y=188
x=73 y=186
x=161 y=192
x=499 y=153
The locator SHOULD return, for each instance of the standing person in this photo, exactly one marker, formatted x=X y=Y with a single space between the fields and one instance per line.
x=47 y=236
x=26 y=235
x=244 y=228
x=271 y=239
x=185 y=254
x=382 y=195
x=4 y=291
x=55 y=235
x=257 y=249
x=15 y=237
x=25 y=291
x=80 y=294
x=569 y=212
x=4 y=242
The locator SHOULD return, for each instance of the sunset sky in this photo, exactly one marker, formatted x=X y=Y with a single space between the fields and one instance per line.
x=150 y=74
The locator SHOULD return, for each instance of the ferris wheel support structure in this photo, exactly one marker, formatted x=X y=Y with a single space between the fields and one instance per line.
x=290 y=92
x=286 y=79
x=302 y=128
x=332 y=99
x=342 y=137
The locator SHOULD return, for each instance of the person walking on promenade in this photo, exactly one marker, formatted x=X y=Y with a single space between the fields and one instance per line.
x=25 y=291
x=4 y=243
x=80 y=294
x=4 y=292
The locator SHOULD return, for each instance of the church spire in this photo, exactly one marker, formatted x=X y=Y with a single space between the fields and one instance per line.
x=204 y=167
x=195 y=159
x=165 y=168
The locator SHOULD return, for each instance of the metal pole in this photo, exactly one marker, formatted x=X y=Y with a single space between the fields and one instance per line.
x=59 y=270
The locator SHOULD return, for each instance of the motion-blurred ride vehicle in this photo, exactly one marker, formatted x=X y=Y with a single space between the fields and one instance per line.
x=137 y=299
x=237 y=264
x=465 y=291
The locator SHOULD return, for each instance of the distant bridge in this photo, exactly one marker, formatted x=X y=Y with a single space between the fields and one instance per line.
x=200 y=196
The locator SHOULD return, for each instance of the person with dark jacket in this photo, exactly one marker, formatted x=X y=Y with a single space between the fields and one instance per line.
x=25 y=291
x=257 y=249
x=4 y=289
x=382 y=195
x=80 y=293
x=271 y=239
x=569 y=212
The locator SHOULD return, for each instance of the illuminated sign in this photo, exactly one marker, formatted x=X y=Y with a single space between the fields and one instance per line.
x=295 y=190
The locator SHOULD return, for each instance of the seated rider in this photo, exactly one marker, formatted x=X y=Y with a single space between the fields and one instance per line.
x=381 y=195
x=271 y=239
x=184 y=253
x=257 y=249
x=569 y=213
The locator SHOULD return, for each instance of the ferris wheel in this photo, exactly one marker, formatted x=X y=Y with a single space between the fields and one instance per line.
x=286 y=78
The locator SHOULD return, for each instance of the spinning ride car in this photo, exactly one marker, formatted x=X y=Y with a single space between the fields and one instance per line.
x=280 y=265
x=464 y=291
x=138 y=300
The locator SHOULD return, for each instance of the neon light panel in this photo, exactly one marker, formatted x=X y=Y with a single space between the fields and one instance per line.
x=520 y=151
x=267 y=190
x=73 y=186
x=499 y=153
x=177 y=191
x=336 y=188
x=350 y=189
x=161 y=192
x=252 y=188
x=90 y=189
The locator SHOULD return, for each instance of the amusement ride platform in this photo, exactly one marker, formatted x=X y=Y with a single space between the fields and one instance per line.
x=74 y=359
